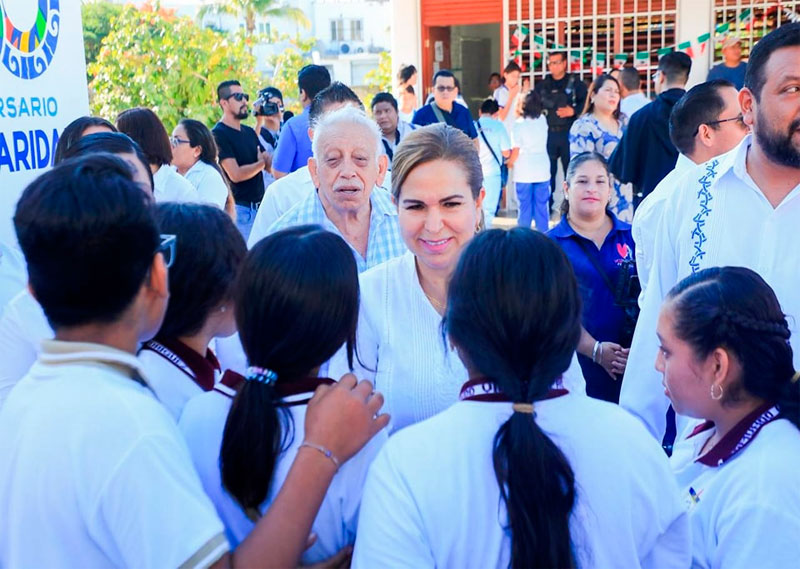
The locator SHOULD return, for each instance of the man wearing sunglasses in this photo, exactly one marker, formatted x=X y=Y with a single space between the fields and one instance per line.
x=443 y=109
x=240 y=154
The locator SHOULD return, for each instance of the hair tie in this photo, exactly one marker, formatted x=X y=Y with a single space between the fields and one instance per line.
x=261 y=375
x=795 y=377
x=526 y=408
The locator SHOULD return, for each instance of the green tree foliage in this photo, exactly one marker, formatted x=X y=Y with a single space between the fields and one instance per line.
x=97 y=19
x=380 y=78
x=287 y=64
x=251 y=9
x=152 y=58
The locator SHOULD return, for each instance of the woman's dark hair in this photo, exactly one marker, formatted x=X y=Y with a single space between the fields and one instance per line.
x=89 y=237
x=406 y=72
x=73 y=132
x=199 y=135
x=734 y=308
x=572 y=170
x=596 y=86
x=514 y=313
x=296 y=304
x=110 y=142
x=532 y=105
x=208 y=252
x=144 y=126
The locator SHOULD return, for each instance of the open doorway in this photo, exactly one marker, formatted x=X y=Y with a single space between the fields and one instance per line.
x=475 y=54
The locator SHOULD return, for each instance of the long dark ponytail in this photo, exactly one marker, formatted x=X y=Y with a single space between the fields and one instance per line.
x=296 y=304
x=514 y=314
x=734 y=308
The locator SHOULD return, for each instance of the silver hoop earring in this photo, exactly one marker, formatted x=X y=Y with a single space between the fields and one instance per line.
x=714 y=395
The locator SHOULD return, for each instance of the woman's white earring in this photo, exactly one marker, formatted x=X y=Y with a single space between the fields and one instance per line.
x=223 y=308
x=714 y=395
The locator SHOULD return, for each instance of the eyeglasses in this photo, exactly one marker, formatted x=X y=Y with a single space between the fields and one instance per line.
x=738 y=118
x=167 y=248
x=443 y=88
x=175 y=141
x=239 y=96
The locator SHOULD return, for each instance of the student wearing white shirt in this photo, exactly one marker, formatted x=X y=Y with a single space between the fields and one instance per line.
x=531 y=164
x=520 y=472
x=726 y=360
x=243 y=448
x=740 y=209
x=630 y=83
x=23 y=325
x=95 y=472
x=705 y=123
x=282 y=195
x=507 y=96
x=144 y=127
x=495 y=148
x=194 y=155
x=209 y=249
x=393 y=130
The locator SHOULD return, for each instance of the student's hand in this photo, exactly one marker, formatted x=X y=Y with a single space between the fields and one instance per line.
x=340 y=560
x=613 y=359
x=512 y=91
x=264 y=157
x=344 y=417
x=565 y=112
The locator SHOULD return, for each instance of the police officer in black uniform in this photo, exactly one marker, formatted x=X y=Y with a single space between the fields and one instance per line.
x=563 y=97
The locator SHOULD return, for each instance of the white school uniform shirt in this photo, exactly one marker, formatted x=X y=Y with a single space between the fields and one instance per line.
x=208 y=182
x=432 y=499
x=632 y=103
x=95 y=472
x=177 y=373
x=281 y=196
x=501 y=96
x=22 y=329
x=746 y=512
x=716 y=217
x=647 y=216
x=169 y=186
x=533 y=163
x=401 y=348
x=202 y=424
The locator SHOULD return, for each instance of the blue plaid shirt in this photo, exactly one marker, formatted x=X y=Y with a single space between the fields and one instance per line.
x=384 y=241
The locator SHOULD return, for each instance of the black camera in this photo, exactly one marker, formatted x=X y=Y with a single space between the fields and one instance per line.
x=263 y=108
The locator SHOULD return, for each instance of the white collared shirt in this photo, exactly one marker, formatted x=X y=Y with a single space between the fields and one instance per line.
x=432 y=499
x=169 y=186
x=95 y=472
x=208 y=182
x=633 y=103
x=717 y=217
x=281 y=195
x=647 y=216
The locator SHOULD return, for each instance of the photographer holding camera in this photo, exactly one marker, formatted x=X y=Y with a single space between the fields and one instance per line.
x=268 y=110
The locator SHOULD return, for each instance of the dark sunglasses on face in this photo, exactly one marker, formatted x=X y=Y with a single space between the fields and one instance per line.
x=239 y=96
x=443 y=88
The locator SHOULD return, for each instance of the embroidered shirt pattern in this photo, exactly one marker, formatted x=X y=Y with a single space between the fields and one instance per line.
x=704 y=198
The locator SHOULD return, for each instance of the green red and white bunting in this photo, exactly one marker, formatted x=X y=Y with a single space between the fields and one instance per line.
x=519 y=35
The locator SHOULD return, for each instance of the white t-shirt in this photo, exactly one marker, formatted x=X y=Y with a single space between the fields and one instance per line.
x=177 y=373
x=746 y=512
x=401 y=349
x=501 y=96
x=22 y=329
x=533 y=164
x=280 y=197
x=203 y=423
x=500 y=141
x=633 y=103
x=717 y=218
x=169 y=186
x=432 y=499
x=208 y=182
x=95 y=472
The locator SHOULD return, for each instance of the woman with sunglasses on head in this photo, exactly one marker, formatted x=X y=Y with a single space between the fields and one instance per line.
x=520 y=472
x=208 y=251
x=726 y=361
x=243 y=438
x=194 y=155
x=144 y=127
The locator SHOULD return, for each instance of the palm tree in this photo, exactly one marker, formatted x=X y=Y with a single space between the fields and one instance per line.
x=250 y=9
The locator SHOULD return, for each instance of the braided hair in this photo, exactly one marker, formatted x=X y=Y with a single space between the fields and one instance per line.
x=734 y=308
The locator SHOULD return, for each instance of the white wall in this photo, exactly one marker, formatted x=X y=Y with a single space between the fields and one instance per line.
x=376 y=17
x=694 y=19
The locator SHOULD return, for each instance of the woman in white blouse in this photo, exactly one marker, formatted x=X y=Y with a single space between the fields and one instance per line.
x=437 y=184
x=727 y=362
x=194 y=154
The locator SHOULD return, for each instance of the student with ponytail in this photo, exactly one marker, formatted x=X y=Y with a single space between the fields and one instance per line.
x=726 y=360
x=244 y=436
x=520 y=472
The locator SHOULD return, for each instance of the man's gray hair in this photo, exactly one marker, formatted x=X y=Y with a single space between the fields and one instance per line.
x=343 y=118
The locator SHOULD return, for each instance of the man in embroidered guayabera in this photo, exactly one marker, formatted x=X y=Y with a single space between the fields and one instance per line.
x=739 y=209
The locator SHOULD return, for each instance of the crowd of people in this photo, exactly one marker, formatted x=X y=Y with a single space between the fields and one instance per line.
x=305 y=343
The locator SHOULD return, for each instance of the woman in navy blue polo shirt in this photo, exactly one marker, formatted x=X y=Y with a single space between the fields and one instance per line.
x=600 y=247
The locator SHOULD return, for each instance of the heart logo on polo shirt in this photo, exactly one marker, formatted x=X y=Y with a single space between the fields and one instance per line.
x=623 y=250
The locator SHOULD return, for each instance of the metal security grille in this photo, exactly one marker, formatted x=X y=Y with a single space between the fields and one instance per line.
x=592 y=32
x=754 y=19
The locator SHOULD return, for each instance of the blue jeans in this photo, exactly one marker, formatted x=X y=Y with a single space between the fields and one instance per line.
x=245 y=216
x=491 y=184
x=534 y=204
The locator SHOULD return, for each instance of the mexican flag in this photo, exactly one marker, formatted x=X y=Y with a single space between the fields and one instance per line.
x=664 y=51
x=599 y=65
x=516 y=57
x=539 y=40
x=620 y=59
x=745 y=15
x=702 y=43
x=519 y=36
x=642 y=58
